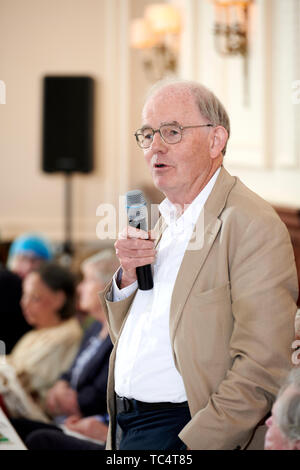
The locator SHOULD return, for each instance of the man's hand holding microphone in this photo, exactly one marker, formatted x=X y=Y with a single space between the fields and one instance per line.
x=135 y=246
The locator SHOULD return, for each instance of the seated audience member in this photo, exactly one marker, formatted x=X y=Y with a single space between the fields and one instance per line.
x=284 y=424
x=42 y=354
x=26 y=253
x=78 y=399
x=13 y=325
x=55 y=439
x=82 y=390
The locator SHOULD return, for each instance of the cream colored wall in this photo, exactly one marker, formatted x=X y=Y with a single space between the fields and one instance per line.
x=138 y=173
x=39 y=37
x=264 y=148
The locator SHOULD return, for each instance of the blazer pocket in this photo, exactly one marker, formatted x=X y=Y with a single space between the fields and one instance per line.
x=213 y=295
x=208 y=318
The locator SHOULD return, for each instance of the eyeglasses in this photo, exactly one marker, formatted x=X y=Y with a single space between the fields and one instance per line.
x=170 y=134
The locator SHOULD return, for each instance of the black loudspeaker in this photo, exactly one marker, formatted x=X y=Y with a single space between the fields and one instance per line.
x=68 y=124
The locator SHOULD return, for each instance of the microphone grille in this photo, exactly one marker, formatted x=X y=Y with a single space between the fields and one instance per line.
x=135 y=197
x=137 y=209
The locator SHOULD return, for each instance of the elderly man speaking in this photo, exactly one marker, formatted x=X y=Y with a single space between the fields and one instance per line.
x=198 y=359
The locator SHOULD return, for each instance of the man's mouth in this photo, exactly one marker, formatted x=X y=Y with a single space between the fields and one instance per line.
x=160 y=165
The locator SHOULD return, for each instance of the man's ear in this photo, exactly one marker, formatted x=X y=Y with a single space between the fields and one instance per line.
x=218 y=141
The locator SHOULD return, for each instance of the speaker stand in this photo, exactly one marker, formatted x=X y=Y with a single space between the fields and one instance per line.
x=68 y=249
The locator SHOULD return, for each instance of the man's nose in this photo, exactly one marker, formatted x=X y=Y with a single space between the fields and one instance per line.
x=269 y=422
x=158 y=143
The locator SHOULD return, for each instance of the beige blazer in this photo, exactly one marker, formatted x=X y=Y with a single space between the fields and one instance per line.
x=231 y=318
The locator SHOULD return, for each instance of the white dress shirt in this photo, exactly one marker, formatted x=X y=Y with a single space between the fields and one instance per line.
x=144 y=366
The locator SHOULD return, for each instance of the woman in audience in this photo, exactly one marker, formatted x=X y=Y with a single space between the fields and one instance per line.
x=78 y=399
x=82 y=390
x=26 y=253
x=42 y=354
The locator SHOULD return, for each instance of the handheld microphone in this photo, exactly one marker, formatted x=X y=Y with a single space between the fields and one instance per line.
x=137 y=217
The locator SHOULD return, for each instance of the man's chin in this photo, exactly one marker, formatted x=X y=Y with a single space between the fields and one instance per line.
x=267 y=447
x=161 y=184
x=271 y=446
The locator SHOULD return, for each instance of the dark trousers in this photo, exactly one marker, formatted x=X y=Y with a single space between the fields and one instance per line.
x=41 y=436
x=153 y=430
x=24 y=427
x=56 y=440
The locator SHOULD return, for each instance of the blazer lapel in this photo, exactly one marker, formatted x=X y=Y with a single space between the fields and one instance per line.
x=204 y=235
x=158 y=230
x=191 y=265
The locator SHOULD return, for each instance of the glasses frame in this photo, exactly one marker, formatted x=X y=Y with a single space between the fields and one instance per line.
x=139 y=132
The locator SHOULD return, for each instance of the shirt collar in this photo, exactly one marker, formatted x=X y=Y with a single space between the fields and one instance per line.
x=192 y=212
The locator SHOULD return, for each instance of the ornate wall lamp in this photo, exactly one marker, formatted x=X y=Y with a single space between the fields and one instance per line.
x=231 y=31
x=157 y=35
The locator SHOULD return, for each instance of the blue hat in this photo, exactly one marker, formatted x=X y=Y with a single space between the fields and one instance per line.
x=32 y=245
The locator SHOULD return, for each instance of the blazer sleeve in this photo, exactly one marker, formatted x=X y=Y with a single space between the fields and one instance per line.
x=115 y=311
x=264 y=290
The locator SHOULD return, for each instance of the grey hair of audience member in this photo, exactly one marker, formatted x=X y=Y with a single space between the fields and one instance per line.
x=105 y=264
x=209 y=105
x=288 y=412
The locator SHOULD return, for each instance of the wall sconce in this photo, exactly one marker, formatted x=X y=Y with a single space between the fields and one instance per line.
x=156 y=35
x=231 y=32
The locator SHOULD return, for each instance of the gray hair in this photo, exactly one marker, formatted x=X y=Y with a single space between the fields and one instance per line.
x=288 y=416
x=209 y=105
x=105 y=264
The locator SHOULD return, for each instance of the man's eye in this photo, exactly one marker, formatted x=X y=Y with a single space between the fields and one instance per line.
x=148 y=135
x=171 y=131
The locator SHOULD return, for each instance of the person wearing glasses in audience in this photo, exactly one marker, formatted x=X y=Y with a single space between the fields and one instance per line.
x=26 y=253
x=198 y=359
x=77 y=400
x=284 y=424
